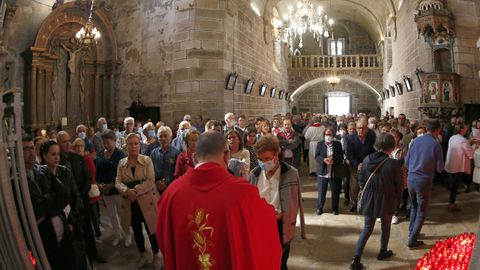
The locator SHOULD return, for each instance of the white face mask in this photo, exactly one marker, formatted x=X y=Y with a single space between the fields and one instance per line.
x=329 y=139
x=343 y=132
x=104 y=127
x=420 y=135
x=371 y=126
x=267 y=166
x=82 y=135
x=339 y=123
x=232 y=122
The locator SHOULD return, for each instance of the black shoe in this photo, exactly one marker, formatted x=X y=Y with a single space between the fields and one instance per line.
x=467 y=190
x=319 y=212
x=384 y=255
x=100 y=259
x=335 y=213
x=356 y=264
x=313 y=174
x=346 y=202
x=353 y=209
x=415 y=244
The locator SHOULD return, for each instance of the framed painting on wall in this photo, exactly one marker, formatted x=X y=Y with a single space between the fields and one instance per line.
x=249 y=86
x=231 y=81
x=273 y=91
x=399 y=87
x=263 y=89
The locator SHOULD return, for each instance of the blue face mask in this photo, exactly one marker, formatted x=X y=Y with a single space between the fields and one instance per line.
x=151 y=133
x=82 y=135
x=267 y=166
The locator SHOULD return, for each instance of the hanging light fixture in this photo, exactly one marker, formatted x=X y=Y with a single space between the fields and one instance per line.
x=333 y=80
x=88 y=34
x=302 y=17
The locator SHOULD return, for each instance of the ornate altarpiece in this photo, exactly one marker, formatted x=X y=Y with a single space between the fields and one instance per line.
x=64 y=79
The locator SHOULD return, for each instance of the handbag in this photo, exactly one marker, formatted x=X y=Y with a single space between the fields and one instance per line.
x=94 y=191
x=360 y=194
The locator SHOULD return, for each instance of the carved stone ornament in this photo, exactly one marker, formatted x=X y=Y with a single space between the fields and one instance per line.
x=440 y=94
x=435 y=22
x=184 y=5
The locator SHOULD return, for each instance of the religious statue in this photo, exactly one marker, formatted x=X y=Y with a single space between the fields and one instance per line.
x=72 y=54
x=446 y=89
x=433 y=89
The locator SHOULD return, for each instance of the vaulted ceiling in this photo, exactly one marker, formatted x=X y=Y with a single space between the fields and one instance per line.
x=371 y=15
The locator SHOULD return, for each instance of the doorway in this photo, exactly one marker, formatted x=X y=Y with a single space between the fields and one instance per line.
x=338 y=104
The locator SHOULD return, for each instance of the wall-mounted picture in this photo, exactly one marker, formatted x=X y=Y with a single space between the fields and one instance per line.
x=231 y=81
x=387 y=94
x=263 y=89
x=408 y=83
x=281 y=94
x=273 y=91
x=287 y=96
x=399 y=87
x=383 y=95
x=249 y=86
x=418 y=72
x=392 y=91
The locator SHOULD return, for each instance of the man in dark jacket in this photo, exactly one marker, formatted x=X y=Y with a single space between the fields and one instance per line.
x=81 y=176
x=359 y=145
x=329 y=156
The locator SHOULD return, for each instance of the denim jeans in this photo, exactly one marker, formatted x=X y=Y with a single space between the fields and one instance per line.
x=420 y=191
x=367 y=231
x=335 y=186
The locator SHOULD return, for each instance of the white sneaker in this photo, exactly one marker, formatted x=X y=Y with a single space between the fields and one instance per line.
x=128 y=240
x=394 y=220
x=142 y=261
x=116 y=241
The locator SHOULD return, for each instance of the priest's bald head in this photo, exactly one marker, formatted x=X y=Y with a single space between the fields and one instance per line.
x=212 y=146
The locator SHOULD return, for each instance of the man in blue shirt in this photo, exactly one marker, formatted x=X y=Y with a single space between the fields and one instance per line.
x=164 y=158
x=424 y=158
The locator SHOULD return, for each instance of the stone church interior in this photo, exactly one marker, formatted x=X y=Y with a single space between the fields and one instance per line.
x=65 y=63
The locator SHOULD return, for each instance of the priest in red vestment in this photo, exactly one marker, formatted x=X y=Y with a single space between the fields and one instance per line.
x=209 y=219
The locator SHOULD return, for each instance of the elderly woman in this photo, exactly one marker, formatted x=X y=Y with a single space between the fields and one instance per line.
x=278 y=183
x=458 y=161
x=150 y=142
x=179 y=142
x=61 y=220
x=381 y=180
x=94 y=193
x=185 y=160
x=136 y=183
x=107 y=165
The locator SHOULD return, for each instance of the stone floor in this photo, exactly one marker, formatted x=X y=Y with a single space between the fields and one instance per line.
x=331 y=239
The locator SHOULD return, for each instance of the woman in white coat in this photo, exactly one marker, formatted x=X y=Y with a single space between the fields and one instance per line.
x=458 y=161
x=314 y=134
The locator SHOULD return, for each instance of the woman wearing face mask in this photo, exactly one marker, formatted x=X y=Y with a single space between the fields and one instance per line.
x=329 y=157
x=150 y=142
x=278 y=184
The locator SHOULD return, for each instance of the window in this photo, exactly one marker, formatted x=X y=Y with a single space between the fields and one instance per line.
x=336 y=46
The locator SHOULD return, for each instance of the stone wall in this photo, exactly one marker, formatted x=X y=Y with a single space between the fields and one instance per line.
x=312 y=100
x=20 y=35
x=253 y=54
x=411 y=51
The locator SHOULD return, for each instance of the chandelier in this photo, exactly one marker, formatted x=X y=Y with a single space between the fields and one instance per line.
x=88 y=34
x=304 y=16
x=333 y=80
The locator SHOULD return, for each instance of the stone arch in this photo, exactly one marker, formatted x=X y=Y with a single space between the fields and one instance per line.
x=311 y=83
x=65 y=79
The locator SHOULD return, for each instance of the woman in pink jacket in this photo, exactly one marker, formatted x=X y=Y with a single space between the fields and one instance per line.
x=458 y=161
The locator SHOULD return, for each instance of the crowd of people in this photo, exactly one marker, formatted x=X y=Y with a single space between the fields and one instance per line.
x=185 y=184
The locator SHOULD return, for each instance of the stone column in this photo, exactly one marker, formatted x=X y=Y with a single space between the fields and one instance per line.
x=40 y=108
x=48 y=95
x=33 y=96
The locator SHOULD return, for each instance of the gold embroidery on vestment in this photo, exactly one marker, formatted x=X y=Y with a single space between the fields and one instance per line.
x=202 y=235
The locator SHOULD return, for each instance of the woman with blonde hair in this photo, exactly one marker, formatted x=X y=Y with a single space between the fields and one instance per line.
x=136 y=183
